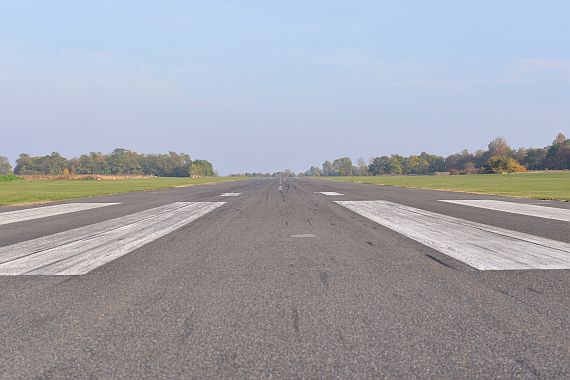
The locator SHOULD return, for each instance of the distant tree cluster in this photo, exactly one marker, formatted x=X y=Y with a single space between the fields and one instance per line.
x=498 y=158
x=285 y=173
x=120 y=161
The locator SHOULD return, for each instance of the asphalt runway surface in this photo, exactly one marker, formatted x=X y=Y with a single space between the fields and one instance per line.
x=291 y=278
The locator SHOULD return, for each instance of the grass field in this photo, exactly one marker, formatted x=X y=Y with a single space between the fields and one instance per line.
x=38 y=191
x=554 y=185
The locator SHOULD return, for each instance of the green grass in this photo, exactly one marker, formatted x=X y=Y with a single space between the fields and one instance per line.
x=42 y=191
x=554 y=185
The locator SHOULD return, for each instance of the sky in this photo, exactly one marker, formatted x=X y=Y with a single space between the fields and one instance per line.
x=261 y=86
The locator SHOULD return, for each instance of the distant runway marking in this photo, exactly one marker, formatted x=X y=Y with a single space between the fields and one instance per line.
x=481 y=246
x=44 y=212
x=280 y=188
x=328 y=193
x=230 y=194
x=304 y=236
x=81 y=250
x=518 y=208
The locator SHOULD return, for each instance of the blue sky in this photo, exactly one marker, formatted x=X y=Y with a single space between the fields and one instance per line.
x=256 y=86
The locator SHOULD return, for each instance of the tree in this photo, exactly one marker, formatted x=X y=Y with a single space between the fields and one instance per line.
x=203 y=168
x=342 y=166
x=84 y=164
x=520 y=155
x=5 y=167
x=362 y=167
x=560 y=139
x=563 y=157
x=117 y=161
x=379 y=165
x=557 y=154
x=328 y=169
x=394 y=165
x=120 y=161
x=420 y=165
x=100 y=166
x=535 y=159
x=23 y=164
x=55 y=164
x=313 y=172
x=498 y=147
x=436 y=163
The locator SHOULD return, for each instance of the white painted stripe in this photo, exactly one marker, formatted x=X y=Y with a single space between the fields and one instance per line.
x=230 y=194
x=481 y=246
x=517 y=208
x=328 y=193
x=280 y=188
x=304 y=236
x=44 y=212
x=83 y=249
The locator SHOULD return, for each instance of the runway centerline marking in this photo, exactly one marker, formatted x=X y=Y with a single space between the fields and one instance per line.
x=304 y=236
x=83 y=249
x=516 y=208
x=328 y=193
x=230 y=194
x=280 y=188
x=482 y=246
x=46 y=211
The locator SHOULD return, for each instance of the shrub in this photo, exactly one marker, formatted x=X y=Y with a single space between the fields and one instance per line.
x=502 y=164
x=10 y=178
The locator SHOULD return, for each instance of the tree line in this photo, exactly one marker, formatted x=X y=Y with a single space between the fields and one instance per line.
x=120 y=161
x=498 y=158
x=283 y=174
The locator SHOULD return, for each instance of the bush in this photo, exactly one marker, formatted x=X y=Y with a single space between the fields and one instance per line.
x=502 y=164
x=10 y=178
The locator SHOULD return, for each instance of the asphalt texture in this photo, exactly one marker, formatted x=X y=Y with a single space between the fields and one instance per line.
x=234 y=295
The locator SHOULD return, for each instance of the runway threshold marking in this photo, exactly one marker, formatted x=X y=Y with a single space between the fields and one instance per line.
x=44 y=212
x=481 y=246
x=516 y=208
x=328 y=193
x=230 y=194
x=83 y=249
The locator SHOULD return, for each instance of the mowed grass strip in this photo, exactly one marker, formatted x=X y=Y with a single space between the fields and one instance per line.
x=19 y=193
x=546 y=185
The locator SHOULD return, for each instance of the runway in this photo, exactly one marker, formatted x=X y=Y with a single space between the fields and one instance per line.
x=291 y=278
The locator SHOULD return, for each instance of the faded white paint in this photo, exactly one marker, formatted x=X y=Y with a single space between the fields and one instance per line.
x=230 y=194
x=328 y=193
x=517 y=208
x=280 y=188
x=481 y=246
x=304 y=236
x=81 y=250
x=44 y=212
